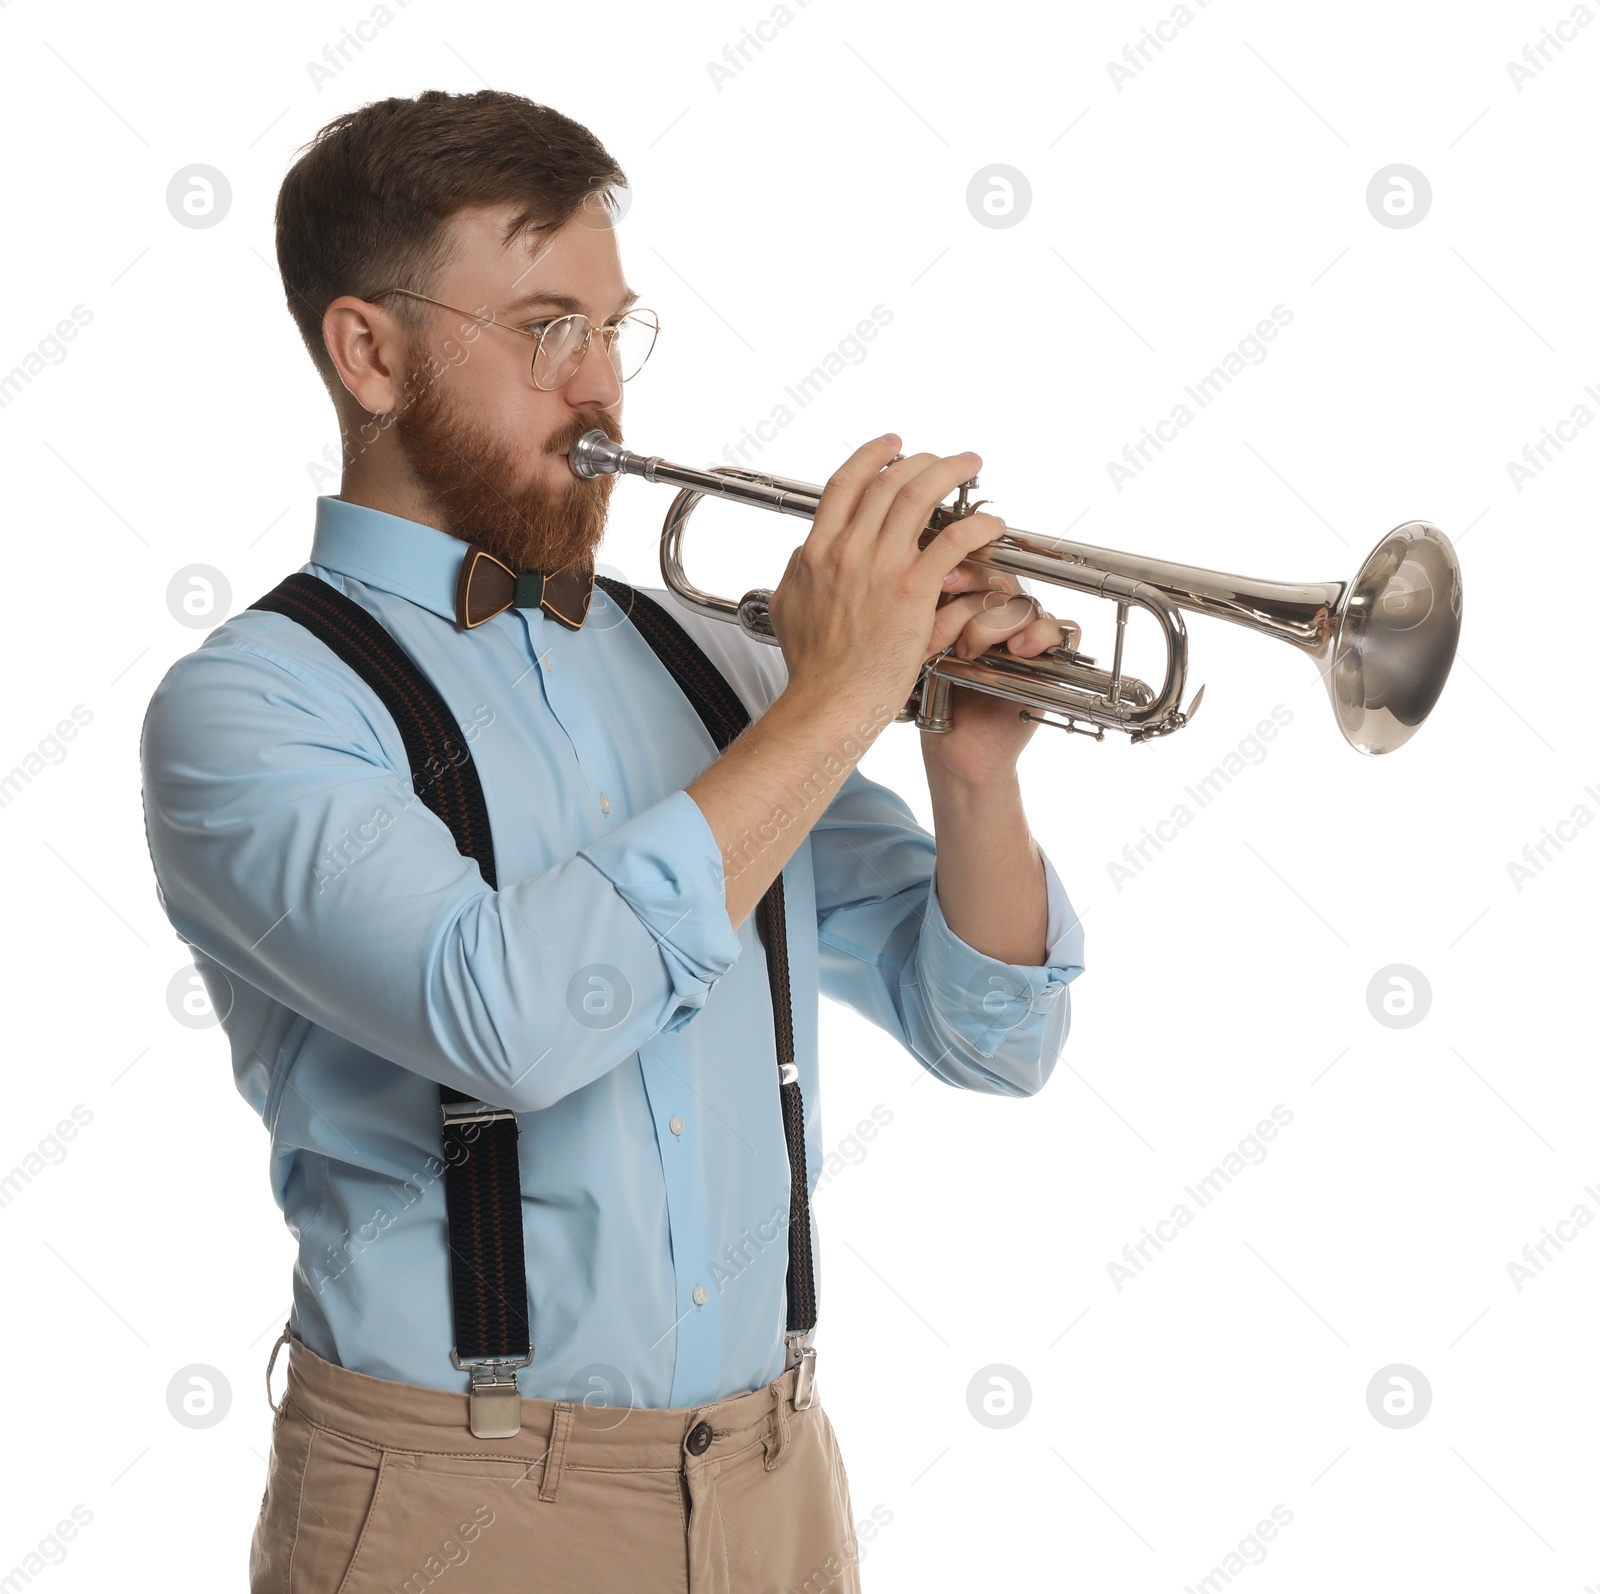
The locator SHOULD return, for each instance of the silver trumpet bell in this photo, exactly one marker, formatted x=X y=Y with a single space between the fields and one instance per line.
x=1383 y=642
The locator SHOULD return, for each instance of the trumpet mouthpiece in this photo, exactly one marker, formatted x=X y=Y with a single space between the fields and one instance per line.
x=594 y=454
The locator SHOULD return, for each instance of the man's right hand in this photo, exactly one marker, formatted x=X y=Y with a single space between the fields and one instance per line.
x=854 y=612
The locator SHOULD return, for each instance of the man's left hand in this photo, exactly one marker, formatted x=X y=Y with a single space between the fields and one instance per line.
x=984 y=609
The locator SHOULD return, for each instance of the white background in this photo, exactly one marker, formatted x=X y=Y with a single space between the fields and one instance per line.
x=769 y=214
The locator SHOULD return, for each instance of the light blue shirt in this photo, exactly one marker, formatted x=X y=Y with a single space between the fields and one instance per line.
x=358 y=960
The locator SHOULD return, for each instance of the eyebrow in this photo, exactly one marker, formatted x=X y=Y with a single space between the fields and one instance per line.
x=562 y=301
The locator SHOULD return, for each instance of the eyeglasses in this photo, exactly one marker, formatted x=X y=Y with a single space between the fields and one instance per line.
x=561 y=343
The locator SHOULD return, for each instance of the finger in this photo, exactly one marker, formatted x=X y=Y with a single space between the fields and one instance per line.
x=957 y=542
x=896 y=484
x=969 y=577
x=875 y=501
x=972 y=625
x=998 y=622
x=910 y=505
x=951 y=618
x=1045 y=632
x=841 y=494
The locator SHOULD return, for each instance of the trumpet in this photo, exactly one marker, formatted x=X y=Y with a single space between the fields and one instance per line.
x=1383 y=641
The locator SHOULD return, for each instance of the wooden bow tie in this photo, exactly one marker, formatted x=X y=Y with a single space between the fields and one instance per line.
x=488 y=587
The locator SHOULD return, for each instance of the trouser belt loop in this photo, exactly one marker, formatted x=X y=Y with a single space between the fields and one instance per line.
x=778 y=1435
x=272 y=1361
x=555 y=1455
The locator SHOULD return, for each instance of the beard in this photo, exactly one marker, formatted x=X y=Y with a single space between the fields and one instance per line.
x=477 y=485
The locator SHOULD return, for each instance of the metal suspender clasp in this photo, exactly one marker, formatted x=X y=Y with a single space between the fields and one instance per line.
x=804 y=1357
x=472 y=1112
x=494 y=1406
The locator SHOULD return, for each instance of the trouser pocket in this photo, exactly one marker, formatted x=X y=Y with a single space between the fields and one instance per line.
x=320 y=1491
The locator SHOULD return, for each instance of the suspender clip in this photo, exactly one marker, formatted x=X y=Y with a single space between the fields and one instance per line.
x=494 y=1406
x=804 y=1357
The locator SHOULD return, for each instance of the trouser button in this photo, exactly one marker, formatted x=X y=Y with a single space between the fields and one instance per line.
x=699 y=1440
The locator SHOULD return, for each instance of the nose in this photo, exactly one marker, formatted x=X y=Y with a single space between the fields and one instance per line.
x=595 y=384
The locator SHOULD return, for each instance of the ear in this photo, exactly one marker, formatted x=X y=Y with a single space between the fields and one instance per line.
x=367 y=347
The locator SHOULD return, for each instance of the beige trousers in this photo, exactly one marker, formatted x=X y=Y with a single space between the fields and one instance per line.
x=379 y=1487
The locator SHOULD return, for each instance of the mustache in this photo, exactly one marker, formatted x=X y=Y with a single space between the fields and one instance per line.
x=603 y=421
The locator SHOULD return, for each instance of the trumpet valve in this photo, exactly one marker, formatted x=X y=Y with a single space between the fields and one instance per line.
x=933 y=713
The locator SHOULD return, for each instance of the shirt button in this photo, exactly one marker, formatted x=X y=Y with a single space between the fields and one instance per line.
x=605 y=803
x=699 y=1440
x=548 y=662
x=699 y=1295
x=675 y=1124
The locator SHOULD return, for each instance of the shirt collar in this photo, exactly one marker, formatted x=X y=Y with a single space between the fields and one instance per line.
x=413 y=561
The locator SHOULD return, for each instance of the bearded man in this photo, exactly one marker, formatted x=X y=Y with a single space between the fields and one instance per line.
x=515 y=890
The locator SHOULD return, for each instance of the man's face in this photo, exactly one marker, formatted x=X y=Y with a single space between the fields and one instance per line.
x=486 y=444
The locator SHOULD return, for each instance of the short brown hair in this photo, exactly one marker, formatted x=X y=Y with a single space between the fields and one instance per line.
x=366 y=205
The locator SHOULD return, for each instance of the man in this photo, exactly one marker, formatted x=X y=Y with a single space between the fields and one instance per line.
x=588 y=961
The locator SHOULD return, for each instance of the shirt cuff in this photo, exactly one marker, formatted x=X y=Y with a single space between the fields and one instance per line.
x=666 y=865
x=996 y=997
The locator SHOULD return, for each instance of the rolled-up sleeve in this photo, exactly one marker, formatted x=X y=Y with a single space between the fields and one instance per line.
x=289 y=846
x=887 y=951
x=667 y=867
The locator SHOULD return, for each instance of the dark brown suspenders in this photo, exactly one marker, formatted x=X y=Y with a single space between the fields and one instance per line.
x=483 y=1194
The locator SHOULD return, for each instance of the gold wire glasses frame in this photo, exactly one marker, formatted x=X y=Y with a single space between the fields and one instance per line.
x=564 y=340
